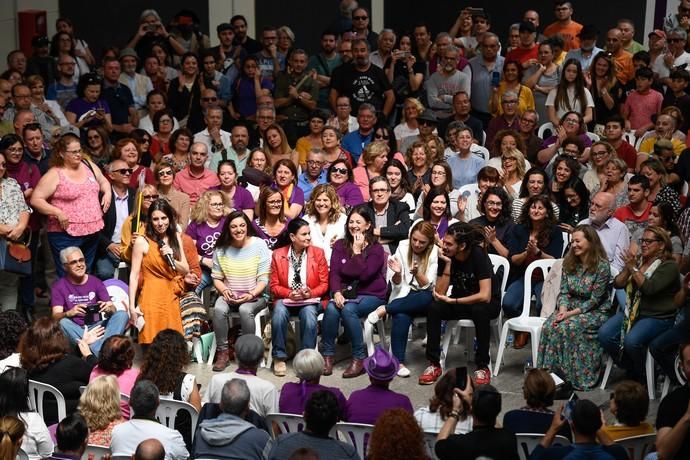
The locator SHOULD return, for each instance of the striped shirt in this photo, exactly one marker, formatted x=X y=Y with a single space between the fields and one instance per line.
x=241 y=269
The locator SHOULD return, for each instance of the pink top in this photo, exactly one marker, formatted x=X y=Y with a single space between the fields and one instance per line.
x=126 y=382
x=79 y=201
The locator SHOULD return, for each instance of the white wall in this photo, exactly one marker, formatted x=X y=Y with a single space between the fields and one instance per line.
x=220 y=11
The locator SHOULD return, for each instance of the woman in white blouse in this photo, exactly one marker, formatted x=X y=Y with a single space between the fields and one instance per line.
x=326 y=218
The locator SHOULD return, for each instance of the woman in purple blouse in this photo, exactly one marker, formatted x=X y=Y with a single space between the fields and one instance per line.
x=358 y=286
x=340 y=176
x=240 y=198
x=308 y=365
x=285 y=180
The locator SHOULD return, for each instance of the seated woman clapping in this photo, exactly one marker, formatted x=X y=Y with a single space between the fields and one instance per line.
x=299 y=278
x=412 y=274
x=568 y=341
x=358 y=285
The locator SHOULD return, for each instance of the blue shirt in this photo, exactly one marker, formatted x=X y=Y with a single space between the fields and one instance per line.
x=355 y=142
x=307 y=186
x=465 y=169
x=481 y=82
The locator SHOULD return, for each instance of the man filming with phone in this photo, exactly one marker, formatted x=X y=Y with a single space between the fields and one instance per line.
x=82 y=305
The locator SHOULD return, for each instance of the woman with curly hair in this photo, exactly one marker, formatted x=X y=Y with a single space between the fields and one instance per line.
x=11 y=328
x=495 y=220
x=396 y=435
x=326 y=218
x=164 y=364
x=432 y=417
x=116 y=358
x=45 y=354
x=418 y=159
x=100 y=407
x=14 y=402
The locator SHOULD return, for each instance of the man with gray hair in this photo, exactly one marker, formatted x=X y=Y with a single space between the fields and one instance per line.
x=230 y=436
x=314 y=174
x=127 y=436
x=195 y=178
x=447 y=81
x=674 y=57
x=386 y=41
x=485 y=66
x=508 y=118
x=613 y=233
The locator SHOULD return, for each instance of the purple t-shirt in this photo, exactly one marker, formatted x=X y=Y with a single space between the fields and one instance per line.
x=205 y=236
x=293 y=396
x=349 y=194
x=79 y=106
x=365 y=406
x=242 y=199
x=67 y=295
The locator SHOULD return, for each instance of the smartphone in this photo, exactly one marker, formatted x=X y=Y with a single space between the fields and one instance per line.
x=495 y=78
x=461 y=377
x=569 y=406
x=151 y=27
x=473 y=10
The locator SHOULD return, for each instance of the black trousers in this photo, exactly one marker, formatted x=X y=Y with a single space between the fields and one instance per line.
x=480 y=313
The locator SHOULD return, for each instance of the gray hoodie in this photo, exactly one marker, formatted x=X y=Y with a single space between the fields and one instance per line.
x=230 y=437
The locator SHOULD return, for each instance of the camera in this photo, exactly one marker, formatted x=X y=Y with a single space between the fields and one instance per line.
x=92 y=313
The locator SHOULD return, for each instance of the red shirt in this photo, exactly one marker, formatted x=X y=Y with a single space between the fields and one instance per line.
x=523 y=55
x=625 y=214
x=627 y=153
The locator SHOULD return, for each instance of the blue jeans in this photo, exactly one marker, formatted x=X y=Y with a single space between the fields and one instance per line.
x=206 y=280
x=105 y=266
x=665 y=347
x=279 y=324
x=61 y=240
x=515 y=292
x=114 y=325
x=636 y=340
x=403 y=310
x=350 y=314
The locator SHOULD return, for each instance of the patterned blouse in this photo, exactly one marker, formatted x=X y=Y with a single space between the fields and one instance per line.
x=12 y=202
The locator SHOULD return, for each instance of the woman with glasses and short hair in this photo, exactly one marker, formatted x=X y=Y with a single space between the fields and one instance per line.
x=165 y=175
x=340 y=176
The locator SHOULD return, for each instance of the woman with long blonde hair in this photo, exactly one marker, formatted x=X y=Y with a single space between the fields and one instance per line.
x=100 y=407
x=11 y=433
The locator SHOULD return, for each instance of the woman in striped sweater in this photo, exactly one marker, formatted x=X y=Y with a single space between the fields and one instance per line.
x=241 y=265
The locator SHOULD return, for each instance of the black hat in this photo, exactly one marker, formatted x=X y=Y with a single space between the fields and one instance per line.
x=526 y=26
x=428 y=115
x=40 y=41
x=588 y=32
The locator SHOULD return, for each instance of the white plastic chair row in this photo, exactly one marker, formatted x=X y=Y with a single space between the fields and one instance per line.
x=168 y=410
x=295 y=320
x=264 y=313
x=638 y=446
x=649 y=374
x=37 y=392
x=527 y=442
x=525 y=322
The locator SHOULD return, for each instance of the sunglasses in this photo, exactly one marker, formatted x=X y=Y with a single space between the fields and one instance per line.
x=340 y=170
x=165 y=173
x=124 y=171
x=209 y=99
x=150 y=197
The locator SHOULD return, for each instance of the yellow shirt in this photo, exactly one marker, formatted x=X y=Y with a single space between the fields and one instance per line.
x=623 y=431
x=525 y=99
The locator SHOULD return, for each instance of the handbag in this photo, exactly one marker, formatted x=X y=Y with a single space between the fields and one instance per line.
x=350 y=291
x=15 y=257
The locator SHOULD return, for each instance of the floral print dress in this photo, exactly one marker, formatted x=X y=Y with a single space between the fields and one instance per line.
x=571 y=346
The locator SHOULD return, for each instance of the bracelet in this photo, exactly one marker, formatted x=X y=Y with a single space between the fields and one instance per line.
x=454 y=414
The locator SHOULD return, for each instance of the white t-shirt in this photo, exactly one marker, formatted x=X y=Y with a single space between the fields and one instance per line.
x=574 y=102
x=659 y=66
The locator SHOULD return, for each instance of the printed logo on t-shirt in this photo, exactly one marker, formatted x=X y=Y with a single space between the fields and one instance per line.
x=363 y=88
x=76 y=299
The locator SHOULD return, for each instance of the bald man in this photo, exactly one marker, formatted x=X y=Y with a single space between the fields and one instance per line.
x=195 y=179
x=613 y=233
x=149 y=449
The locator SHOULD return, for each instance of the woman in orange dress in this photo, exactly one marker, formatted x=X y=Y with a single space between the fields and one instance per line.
x=162 y=282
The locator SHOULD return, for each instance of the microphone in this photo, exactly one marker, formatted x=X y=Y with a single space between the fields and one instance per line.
x=168 y=257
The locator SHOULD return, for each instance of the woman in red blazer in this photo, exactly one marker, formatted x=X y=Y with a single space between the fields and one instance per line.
x=299 y=278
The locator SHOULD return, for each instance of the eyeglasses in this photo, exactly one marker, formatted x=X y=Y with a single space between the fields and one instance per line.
x=494 y=204
x=73 y=152
x=314 y=163
x=508 y=102
x=360 y=18
x=93 y=138
x=528 y=120
x=124 y=171
x=165 y=120
x=381 y=136
x=209 y=99
x=599 y=153
x=571 y=120
x=150 y=197
x=426 y=122
x=216 y=205
x=379 y=190
x=642 y=241
x=438 y=173
x=167 y=172
x=274 y=202
x=15 y=150
x=339 y=170
x=75 y=262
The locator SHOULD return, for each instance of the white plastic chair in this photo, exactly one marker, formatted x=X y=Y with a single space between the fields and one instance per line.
x=525 y=322
x=593 y=137
x=356 y=434
x=369 y=334
x=453 y=328
x=37 y=392
x=629 y=137
x=265 y=313
x=468 y=189
x=548 y=126
x=22 y=455
x=94 y=452
x=649 y=374
x=120 y=266
x=566 y=242
x=481 y=152
x=279 y=423
x=527 y=442
x=638 y=446
x=168 y=409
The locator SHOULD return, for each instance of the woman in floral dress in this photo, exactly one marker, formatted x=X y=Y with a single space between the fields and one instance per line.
x=569 y=342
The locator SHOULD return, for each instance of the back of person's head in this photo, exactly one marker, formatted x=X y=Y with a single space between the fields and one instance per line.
x=150 y=449
x=396 y=434
x=144 y=398
x=14 y=391
x=486 y=404
x=321 y=412
x=234 y=398
x=304 y=453
x=539 y=389
x=631 y=402
x=586 y=418
x=11 y=327
x=72 y=433
x=11 y=433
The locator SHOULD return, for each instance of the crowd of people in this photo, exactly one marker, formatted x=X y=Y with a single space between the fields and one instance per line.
x=386 y=175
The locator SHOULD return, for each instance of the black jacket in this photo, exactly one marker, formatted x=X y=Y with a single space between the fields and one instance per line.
x=399 y=223
x=109 y=219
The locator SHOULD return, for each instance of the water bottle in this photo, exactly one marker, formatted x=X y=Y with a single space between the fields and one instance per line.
x=509 y=340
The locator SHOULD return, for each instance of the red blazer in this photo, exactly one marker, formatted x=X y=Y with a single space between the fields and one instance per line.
x=317 y=272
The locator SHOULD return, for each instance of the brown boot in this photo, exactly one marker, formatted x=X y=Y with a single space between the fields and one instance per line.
x=355 y=369
x=328 y=365
x=221 y=361
x=520 y=340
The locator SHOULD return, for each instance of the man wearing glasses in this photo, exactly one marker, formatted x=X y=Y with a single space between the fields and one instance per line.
x=674 y=58
x=109 y=238
x=21 y=98
x=526 y=126
x=509 y=119
x=81 y=303
x=314 y=174
x=360 y=27
x=64 y=88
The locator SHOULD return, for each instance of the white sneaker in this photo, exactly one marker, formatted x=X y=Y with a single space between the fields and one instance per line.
x=373 y=317
x=403 y=371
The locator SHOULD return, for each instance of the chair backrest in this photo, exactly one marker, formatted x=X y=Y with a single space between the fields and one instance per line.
x=284 y=423
x=118 y=292
x=481 y=152
x=498 y=262
x=468 y=189
x=629 y=137
x=545 y=130
x=545 y=266
x=22 y=455
x=593 y=137
x=566 y=242
x=356 y=434
x=94 y=452
x=37 y=392
x=638 y=447
x=430 y=443
x=527 y=442
x=168 y=409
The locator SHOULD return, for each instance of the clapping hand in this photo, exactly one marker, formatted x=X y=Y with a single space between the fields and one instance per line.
x=395 y=265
